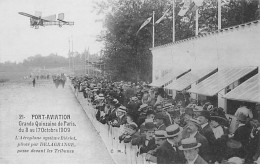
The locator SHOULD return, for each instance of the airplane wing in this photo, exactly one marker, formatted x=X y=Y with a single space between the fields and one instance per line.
x=62 y=21
x=49 y=18
x=57 y=23
x=51 y=23
x=28 y=15
x=66 y=22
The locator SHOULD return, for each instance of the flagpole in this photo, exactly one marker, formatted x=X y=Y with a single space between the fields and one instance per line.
x=85 y=63
x=219 y=14
x=173 y=20
x=197 y=22
x=69 y=56
x=153 y=28
x=88 y=61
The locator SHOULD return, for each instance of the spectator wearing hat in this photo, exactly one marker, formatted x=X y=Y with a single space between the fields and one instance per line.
x=121 y=117
x=146 y=141
x=168 y=152
x=186 y=97
x=146 y=99
x=221 y=135
x=152 y=96
x=100 y=106
x=139 y=94
x=133 y=106
x=244 y=110
x=242 y=133
x=160 y=138
x=142 y=114
x=188 y=114
x=217 y=123
x=129 y=93
x=191 y=130
x=150 y=115
x=179 y=97
x=160 y=121
x=205 y=106
x=190 y=148
x=159 y=98
x=121 y=96
x=206 y=130
x=158 y=108
x=167 y=107
x=176 y=117
x=130 y=128
x=112 y=111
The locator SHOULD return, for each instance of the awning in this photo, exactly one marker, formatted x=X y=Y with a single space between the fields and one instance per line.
x=168 y=77
x=189 y=78
x=218 y=81
x=248 y=91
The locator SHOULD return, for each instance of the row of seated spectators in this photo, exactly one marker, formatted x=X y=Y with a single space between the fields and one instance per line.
x=170 y=130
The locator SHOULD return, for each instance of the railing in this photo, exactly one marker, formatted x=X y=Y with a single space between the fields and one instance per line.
x=122 y=153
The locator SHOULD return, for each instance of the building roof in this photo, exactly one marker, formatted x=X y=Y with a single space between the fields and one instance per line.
x=221 y=79
x=207 y=34
x=189 y=78
x=247 y=91
x=168 y=77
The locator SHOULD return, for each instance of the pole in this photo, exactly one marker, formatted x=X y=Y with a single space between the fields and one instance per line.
x=197 y=22
x=88 y=60
x=219 y=14
x=173 y=20
x=73 y=61
x=69 y=55
x=153 y=28
x=85 y=63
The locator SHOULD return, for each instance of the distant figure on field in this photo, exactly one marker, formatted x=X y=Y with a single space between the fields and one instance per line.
x=34 y=82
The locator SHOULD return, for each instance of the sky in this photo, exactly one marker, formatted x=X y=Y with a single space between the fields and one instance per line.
x=19 y=41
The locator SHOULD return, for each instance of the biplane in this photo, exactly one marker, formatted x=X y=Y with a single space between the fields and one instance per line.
x=37 y=20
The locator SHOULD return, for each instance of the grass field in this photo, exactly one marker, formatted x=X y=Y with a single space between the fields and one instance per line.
x=13 y=76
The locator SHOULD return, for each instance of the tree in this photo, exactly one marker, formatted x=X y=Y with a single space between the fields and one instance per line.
x=127 y=55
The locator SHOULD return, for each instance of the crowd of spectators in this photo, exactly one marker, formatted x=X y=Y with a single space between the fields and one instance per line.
x=171 y=129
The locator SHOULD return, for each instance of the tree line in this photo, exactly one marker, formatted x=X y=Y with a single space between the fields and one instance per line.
x=50 y=61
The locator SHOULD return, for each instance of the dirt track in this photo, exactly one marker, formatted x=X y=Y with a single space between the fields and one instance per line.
x=45 y=99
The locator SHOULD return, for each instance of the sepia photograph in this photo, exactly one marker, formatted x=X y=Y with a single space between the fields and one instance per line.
x=129 y=82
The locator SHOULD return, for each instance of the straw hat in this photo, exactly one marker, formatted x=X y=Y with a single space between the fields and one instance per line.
x=173 y=130
x=160 y=134
x=189 y=144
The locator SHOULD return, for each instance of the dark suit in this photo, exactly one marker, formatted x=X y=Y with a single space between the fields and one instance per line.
x=204 y=149
x=200 y=160
x=166 y=154
x=140 y=141
x=208 y=133
x=242 y=135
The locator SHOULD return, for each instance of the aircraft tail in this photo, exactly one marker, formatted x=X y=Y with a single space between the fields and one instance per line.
x=61 y=16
